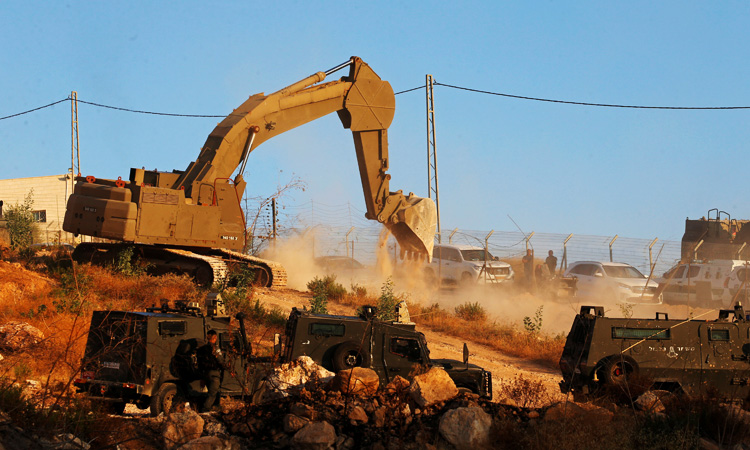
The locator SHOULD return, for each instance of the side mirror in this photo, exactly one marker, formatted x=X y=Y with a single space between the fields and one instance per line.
x=466 y=354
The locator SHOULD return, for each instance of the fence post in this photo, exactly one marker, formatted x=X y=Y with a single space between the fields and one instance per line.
x=650 y=261
x=565 y=254
x=610 y=247
x=486 y=253
x=695 y=251
x=346 y=242
x=528 y=238
x=450 y=236
x=739 y=252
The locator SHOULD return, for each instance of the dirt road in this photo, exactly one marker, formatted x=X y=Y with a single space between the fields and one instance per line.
x=503 y=367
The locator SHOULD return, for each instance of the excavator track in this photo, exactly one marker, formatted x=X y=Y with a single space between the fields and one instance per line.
x=205 y=266
x=274 y=276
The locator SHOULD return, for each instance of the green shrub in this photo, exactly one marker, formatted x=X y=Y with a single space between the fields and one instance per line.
x=21 y=225
x=534 y=325
x=323 y=290
x=127 y=263
x=387 y=302
x=471 y=311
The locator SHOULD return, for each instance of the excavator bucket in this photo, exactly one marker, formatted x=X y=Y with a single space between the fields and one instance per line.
x=415 y=228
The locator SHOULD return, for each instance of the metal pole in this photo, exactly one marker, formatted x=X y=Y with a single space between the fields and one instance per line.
x=450 y=237
x=486 y=253
x=432 y=172
x=650 y=263
x=610 y=247
x=528 y=238
x=565 y=253
x=346 y=239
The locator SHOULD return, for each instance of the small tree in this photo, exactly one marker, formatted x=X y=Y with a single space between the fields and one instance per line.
x=387 y=302
x=20 y=223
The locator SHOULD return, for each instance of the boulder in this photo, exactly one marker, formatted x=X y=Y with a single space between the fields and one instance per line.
x=359 y=380
x=432 y=387
x=585 y=411
x=294 y=423
x=357 y=414
x=378 y=417
x=206 y=443
x=466 y=428
x=397 y=384
x=290 y=377
x=181 y=428
x=651 y=401
x=15 y=336
x=315 y=436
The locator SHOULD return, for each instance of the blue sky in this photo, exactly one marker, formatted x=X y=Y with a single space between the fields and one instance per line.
x=553 y=168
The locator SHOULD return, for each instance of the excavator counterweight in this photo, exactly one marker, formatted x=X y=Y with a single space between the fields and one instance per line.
x=188 y=216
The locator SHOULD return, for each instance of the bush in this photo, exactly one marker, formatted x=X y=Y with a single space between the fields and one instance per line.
x=20 y=224
x=471 y=311
x=387 y=302
x=525 y=392
x=323 y=290
x=534 y=325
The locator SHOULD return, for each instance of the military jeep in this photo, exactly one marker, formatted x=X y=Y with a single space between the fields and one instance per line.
x=390 y=348
x=147 y=358
x=685 y=356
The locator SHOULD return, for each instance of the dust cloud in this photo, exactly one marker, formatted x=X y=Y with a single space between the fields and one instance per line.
x=506 y=304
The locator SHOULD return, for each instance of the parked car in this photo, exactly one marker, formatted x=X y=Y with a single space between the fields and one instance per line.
x=609 y=280
x=703 y=283
x=738 y=284
x=465 y=264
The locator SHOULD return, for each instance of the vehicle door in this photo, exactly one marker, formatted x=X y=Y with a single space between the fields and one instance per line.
x=585 y=274
x=722 y=357
x=672 y=282
x=450 y=264
x=401 y=352
x=236 y=375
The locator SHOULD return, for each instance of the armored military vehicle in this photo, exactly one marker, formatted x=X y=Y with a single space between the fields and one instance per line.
x=148 y=357
x=390 y=348
x=689 y=356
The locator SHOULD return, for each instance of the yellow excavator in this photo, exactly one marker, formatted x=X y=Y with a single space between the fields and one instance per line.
x=191 y=221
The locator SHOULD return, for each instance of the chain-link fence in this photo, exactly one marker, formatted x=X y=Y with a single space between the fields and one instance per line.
x=343 y=230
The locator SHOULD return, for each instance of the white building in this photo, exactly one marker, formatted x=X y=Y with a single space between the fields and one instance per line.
x=50 y=195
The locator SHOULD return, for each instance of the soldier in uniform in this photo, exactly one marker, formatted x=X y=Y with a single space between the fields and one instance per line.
x=212 y=362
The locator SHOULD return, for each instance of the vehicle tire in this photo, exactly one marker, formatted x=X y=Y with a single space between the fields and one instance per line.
x=618 y=369
x=467 y=279
x=466 y=390
x=348 y=355
x=117 y=408
x=161 y=402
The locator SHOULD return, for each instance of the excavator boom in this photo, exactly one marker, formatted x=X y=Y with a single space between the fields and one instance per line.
x=200 y=206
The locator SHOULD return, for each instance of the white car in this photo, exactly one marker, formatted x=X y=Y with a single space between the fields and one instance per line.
x=609 y=280
x=466 y=265
x=709 y=284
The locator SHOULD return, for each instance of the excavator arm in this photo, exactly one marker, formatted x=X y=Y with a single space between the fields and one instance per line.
x=365 y=104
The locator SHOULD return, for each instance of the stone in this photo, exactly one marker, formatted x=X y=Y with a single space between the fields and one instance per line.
x=205 y=443
x=466 y=428
x=359 y=381
x=587 y=411
x=378 y=417
x=291 y=377
x=357 y=414
x=302 y=410
x=15 y=336
x=651 y=401
x=397 y=384
x=432 y=387
x=181 y=428
x=294 y=423
x=344 y=442
x=315 y=436
x=533 y=414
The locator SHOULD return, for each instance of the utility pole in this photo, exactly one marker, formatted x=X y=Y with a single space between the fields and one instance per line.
x=432 y=175
x=75 y=157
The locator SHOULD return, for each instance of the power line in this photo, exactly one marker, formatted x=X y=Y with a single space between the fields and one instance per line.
x=478 y=91
x=35 y=109
x=606 y=105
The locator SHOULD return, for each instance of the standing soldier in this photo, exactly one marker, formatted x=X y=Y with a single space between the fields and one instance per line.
x=551 y=263
x=211 y=362
x=528 y=268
